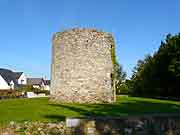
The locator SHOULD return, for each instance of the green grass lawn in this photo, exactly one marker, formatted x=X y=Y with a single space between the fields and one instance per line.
x=42 y=110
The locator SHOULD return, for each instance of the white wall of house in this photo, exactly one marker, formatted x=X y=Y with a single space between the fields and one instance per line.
x=47 y=87
x=33 y=95
x=11 y=85
x=3 y=84
x=36 y=86
x=42 y=86
x=22 y=79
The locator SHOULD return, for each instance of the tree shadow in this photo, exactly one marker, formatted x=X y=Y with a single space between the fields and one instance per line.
x=55 y=118
x=119 y=115
x=135 y=108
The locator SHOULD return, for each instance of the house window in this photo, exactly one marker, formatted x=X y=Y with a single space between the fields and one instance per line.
x=22 y=81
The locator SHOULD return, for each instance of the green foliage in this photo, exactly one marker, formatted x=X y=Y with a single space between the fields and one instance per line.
x=120 y=77
x=113 y=53
x=159 y=74
x=114 y=61
x=9 y=94
x=38 y=91
x=26 y=88
x=29 y=88
x=123 y=88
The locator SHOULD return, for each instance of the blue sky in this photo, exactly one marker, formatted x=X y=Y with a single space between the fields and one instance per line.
x=27 y=26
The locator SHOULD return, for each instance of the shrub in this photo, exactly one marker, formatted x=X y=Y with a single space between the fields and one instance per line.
x=4 y=94
x=29 y=88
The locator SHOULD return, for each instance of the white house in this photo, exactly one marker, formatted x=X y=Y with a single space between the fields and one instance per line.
x=3 y=84
x=21 y=78
x=39 y=83
x=11 y=80
x=47 y=85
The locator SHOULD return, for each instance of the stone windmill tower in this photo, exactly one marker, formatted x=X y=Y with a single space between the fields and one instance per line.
x=82 y=67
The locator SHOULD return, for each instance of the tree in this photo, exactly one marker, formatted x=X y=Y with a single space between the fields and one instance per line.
x=120 y=77
x=159 y=74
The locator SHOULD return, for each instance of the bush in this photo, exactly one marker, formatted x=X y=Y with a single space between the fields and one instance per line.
x=25 y=88
x=38 y=91
x=159 y=74
x=29 y=88
x=5 y=94
x=124 y=88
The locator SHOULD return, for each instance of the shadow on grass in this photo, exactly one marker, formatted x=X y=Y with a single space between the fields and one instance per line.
x=55 y=118
x=113 y=116
x=124 y=109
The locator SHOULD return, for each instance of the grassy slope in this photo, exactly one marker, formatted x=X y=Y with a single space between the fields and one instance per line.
x=42 y=110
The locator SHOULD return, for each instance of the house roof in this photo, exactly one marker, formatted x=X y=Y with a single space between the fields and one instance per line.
x=18 y=74
x=34 y=81
x=47 y=82
x=8 y=75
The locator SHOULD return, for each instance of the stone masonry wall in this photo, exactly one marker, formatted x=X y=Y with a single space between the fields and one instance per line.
x=82 y=66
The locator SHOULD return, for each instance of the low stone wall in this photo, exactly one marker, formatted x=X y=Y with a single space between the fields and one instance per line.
x=98 y=126
x=33 y=128
x=124 y=126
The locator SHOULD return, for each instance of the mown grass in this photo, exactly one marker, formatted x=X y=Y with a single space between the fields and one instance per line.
x=41 y=110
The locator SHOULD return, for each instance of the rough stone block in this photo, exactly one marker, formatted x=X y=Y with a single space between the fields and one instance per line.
x=82 y=66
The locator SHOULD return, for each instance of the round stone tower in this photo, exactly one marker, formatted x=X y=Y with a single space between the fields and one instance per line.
x=82 y=66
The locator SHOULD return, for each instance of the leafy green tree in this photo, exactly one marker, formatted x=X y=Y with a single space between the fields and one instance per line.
x=30 y=88
x=120 y=77
x=125 y=87
x=25 y=88
x=159 y=74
